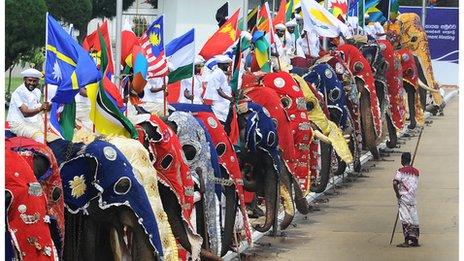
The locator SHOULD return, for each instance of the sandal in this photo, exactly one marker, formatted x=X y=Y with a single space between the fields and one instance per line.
x=403 y=245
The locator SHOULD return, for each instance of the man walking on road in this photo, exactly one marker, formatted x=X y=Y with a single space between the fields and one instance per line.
x=405 y=184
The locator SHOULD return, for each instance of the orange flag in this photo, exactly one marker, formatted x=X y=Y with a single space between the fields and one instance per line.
x=280 y=16
x=222 y=39
x=92 y=42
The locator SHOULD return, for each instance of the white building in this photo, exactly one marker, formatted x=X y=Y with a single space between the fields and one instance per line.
x=180 y=16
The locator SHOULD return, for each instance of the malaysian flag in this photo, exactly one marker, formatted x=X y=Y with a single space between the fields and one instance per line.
x=152 y=42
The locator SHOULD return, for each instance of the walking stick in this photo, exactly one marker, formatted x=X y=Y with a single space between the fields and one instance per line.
x=412 y=162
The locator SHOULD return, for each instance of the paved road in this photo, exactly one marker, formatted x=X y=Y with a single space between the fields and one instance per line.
x=357 y=223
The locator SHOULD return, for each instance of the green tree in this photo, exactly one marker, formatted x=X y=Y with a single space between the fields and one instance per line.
x=24 y=28
x=78 y=13
x=107 y=8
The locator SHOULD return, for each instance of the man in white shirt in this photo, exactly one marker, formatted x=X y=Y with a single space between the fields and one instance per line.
x=293 y=46
x=185 y=94
x=24 y=113
x=153 y=96
x=310 y=44
x=218 y=89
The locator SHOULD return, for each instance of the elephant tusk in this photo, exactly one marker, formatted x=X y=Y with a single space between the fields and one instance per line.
x=322 y=137
x=424 y=86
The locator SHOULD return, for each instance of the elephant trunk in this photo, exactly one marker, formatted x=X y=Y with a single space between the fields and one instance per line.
x=392 y=137
x=411 y=92
x=301 y=203
x=231 y=209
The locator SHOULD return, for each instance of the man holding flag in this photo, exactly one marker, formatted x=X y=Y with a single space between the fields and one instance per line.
x=24 y=115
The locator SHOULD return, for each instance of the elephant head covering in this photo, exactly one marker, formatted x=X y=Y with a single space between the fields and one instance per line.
x=171 y=165
x=261 y=133
x=269 y=99
x=326 y=82
x=414 y=37
x=50 y=182
x=394 y=83
x=138 y=157
x=294 y=103
x=361 y=69
x=95 y=174
x=27 y=221
x=227 y=157
x=191 y=134
x=328 y=128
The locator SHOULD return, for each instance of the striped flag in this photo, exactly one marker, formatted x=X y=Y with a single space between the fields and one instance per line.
x=152 y=42
x=265 y=23
x=181 y=55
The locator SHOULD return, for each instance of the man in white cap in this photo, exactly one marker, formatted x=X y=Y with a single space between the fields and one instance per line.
x=218 y=89
x=186 y=95
x=293 y=46
x=279 y=57
x=153 y=95
x=310 y=44
x=24 y=113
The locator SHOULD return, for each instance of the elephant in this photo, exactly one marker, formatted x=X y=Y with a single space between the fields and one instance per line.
x=371 y=121
x=104 y=202
x=203 y=161
x=327 y=91
x=230 y=170
x=176 y=184
x=43 y=163
x=254 y=90
x=28 y=234
x=412 y=35
x=261 y=161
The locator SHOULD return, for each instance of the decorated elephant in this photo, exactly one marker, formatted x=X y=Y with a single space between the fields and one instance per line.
x=396 y=107
x=29 y=231
x=326 y=94
x=254 y=90
x=371 y=121
x=412 y=36
x=105 y=202
x=230 y=170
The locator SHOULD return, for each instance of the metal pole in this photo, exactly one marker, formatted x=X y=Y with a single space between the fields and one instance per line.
x=424 y=2
x=245 y=15
x=117 y=61
x=324 y=40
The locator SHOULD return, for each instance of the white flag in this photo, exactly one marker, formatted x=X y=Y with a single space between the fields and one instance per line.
x=319 y=19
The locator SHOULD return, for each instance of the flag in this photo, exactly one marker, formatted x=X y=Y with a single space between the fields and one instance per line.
x=222 y=13
x=105 y=115
x=152 y=42
x=353 y=7
x=361 y=12
x=251 y=20
x=317 y=18
x=236 y=69
x=222 y=39
x=280 y=17
x=394 y=8
x=69 y=67
x=180 y=54
x=289 y=12
x=379 y=12
x=91 y=43
x=265 y=23
x=128 y=40
x=261 y=52
x=339 y=8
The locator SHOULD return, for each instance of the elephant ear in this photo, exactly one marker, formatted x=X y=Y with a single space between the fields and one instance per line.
x=78 y=176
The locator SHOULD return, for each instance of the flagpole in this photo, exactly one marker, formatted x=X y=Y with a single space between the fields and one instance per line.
x=324 y=43
x=46 y=86
x=117 y=71
x=193 y=71
x=423 y=13
x=164 y=78
x=245 y=15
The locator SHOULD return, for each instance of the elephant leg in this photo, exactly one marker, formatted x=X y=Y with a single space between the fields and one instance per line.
x=229 y=223
x=393 y=138
x=270 y=182
x=367 y=123
x=286 y=200
x=423 y=98
x=325 y=168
